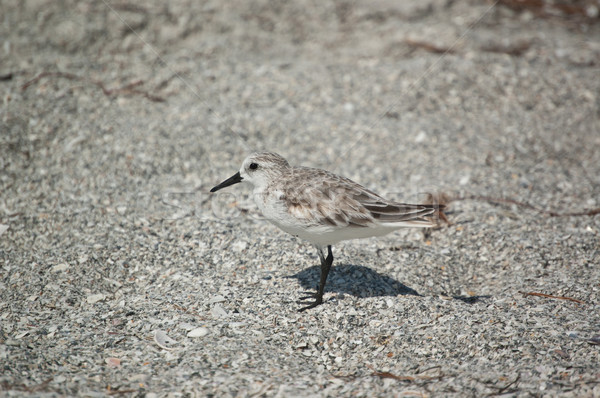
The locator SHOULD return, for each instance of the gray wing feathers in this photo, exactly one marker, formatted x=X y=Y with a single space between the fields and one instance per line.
x=339 y=202
x=398 y=212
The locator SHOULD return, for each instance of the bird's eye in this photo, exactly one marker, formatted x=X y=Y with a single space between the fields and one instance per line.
x=253 y=166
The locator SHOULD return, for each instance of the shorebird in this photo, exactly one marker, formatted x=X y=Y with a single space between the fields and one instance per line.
x=324 y=208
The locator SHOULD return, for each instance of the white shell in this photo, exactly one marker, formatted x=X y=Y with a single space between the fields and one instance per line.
x=164 y=341
x=198 y=332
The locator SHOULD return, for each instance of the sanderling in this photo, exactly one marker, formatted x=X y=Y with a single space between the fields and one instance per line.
x=323 y=208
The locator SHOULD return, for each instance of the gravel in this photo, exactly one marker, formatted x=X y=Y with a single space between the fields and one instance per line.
x=121 y=275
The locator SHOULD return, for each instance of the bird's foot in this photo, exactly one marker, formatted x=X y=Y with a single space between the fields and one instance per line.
x=318 y=299
x=310 y=295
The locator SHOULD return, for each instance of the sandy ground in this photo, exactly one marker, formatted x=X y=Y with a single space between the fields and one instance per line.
x=121 y=275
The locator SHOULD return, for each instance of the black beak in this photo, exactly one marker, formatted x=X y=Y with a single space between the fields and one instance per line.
x=234 y=179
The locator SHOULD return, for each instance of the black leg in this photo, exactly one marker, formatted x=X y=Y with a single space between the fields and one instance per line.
x=325 y=267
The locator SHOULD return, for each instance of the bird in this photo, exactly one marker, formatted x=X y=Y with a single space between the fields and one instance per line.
x=323 y=208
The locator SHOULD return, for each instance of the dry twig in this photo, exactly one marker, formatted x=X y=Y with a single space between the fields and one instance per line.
x=432 y=48
x=126 y=89
x=490 y=199
x=551 y=296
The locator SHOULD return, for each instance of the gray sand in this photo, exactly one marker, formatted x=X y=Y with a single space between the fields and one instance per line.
x=116 y=121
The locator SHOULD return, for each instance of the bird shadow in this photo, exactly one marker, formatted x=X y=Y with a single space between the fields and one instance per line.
x=355 y=280
x=471 y=299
